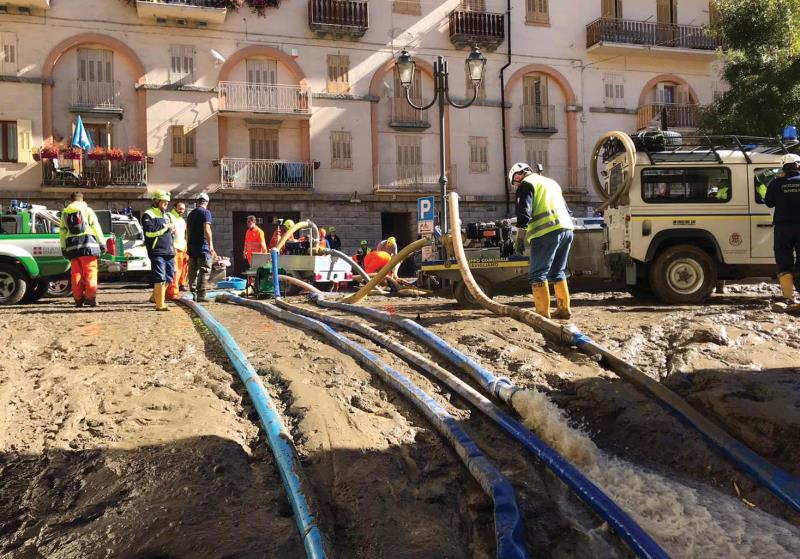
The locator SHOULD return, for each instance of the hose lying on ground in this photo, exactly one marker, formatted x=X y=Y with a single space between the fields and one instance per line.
x=507 y=518
x=278 y=437
x=377 y=278
x=630 y=532
x=778 y=481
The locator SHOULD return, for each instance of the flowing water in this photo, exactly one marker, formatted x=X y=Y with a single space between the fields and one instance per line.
x=688 y=521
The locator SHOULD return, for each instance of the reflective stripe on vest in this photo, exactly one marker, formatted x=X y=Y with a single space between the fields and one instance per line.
x=548 y=211
x=79 y=244
x=156 y=213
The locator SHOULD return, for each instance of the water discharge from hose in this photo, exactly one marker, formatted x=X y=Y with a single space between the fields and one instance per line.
x=689 y=522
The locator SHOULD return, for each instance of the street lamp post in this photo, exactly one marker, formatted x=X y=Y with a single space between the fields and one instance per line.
x=406 y=67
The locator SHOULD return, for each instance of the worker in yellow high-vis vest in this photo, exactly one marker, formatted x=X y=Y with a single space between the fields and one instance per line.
x=544 y=223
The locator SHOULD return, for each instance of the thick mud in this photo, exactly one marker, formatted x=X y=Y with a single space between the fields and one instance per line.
x=125 y=433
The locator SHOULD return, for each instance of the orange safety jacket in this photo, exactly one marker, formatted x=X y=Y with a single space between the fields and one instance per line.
x=254 y=242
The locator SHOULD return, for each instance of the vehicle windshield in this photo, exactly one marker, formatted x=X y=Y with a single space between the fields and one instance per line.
x=128 y=230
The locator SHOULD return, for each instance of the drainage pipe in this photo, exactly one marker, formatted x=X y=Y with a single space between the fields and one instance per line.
x=378 y=277
x=507 y=518
x=630 y=532
x=289 y=234
x=503 y=115
x=279 y=439
x=782 y=484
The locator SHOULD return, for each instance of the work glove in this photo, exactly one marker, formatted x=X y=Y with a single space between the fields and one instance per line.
x=519 y=244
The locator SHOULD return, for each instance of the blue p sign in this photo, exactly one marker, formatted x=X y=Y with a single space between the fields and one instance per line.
x=425 y=209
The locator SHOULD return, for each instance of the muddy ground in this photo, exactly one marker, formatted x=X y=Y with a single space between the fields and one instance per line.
x=125 y=432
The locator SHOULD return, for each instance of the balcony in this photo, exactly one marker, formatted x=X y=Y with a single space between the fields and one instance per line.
x=266 y=174
x=96 y=97
x=678 y=115
x=259 y=99
x=404 y=116
x=33 y=4
x=209 y=11
x=469 y=28
x=621 y=36
x=94 y=174
x=419 y=178
x=348 y=18
x=538 y=119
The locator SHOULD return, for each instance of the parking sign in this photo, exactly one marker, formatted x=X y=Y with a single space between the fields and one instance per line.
x=425 y=215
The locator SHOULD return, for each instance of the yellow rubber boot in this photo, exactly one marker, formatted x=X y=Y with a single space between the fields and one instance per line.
x=161 y=294
x=787 y=285
x=563 y=310
x=541 y=298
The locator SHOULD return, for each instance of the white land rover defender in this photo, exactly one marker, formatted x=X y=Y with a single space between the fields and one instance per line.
x=683 y=213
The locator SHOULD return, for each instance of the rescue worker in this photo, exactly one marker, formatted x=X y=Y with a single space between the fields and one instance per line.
x=323 y=238
x=363 y=251
x=254 y=240
x=388 y=246
x=181 y=258
x=544 y=222
x=159 y=232
x=334 y=241
x=81 y=242
x=200 y=247
x=280 y=230
x=783 y=194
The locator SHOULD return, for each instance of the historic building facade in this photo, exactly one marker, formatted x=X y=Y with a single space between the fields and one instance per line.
x=297 y=112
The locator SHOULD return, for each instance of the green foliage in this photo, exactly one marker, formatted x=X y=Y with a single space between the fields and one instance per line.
x=762 y=67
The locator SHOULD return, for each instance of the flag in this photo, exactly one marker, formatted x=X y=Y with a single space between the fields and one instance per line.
x=81 y=138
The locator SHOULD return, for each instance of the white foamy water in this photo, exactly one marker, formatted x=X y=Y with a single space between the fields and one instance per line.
x=688 y=522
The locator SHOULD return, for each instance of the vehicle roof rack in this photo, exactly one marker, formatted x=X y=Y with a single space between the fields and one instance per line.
x=667 y=146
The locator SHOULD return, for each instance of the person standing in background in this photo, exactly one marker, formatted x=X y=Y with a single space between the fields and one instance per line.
x=200 y=248
x=181 y=258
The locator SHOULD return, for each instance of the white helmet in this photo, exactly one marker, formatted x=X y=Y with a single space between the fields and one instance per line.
x=790 y=158
x=518 y=168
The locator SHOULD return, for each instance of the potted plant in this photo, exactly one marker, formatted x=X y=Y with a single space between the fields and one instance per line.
x=135 y=154
x=115 y=154
x=97 y=154
x=48 y=152
x=72 y=153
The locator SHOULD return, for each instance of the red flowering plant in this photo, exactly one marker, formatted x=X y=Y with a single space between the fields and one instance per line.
x=115 y=154
x=97 y=154
x=48 y=152
x=71 y=153
x=135 y=154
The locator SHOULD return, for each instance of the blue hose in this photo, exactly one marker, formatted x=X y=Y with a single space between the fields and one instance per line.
x=630 y=532
x=780 y=482
x=507 y=518
x=276 y=284
x=277 y=436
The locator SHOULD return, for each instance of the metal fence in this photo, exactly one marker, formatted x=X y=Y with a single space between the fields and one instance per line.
x=91 y=174
x=264 y=98
x=538 y=117
x=649 y=33
x=95 y=95
x=266 y=174
x=678 y=115
x=341 y=13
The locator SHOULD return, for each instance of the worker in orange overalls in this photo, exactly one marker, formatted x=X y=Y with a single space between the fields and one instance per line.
x=181 y=257
x=323 y=238
x=254 y=240
x=82 y=241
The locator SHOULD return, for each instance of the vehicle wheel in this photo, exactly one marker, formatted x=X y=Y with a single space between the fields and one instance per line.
x=35 y=291
x=13 y=284
x=59 y=288
x=683 y=274
x=465 y=298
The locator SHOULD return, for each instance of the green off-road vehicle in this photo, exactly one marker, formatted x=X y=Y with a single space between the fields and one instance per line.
x=30 y=253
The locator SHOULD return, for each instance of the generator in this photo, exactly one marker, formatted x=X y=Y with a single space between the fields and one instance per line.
x=264 y=286
x=491 y=234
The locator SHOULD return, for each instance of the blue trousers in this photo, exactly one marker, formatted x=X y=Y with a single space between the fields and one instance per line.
x=162 y=269
x=549 y=253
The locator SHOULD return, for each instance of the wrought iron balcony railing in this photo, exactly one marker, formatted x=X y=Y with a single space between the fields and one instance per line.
x=468 y=28
x=679 y=115
x=266 y=174
x=649 y=33
x=339 y=17
x=264 y=98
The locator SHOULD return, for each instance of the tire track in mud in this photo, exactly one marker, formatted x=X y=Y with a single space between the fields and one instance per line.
x=388 y=486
